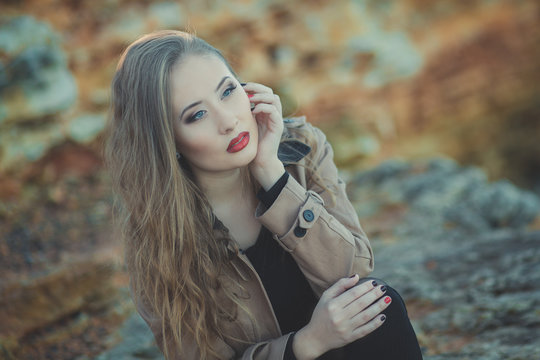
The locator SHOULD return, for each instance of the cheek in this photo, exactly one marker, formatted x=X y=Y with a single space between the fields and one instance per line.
x=190 y=143
x=198 y=149
x=242 y=101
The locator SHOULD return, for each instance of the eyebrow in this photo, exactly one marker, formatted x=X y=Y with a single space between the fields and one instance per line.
x=199 y=102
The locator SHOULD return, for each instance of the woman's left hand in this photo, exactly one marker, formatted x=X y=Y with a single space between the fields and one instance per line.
x=266 y=167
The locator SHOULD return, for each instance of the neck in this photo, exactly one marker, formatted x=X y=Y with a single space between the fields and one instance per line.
x=221 y=187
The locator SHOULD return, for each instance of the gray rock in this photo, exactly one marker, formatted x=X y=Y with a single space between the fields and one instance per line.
x=86 y=127
x=34 y=81
x=462 y=247
x=135 y=341
x=36 y=86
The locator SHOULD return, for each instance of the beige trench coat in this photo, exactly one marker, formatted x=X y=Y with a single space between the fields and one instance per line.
x=327 y=246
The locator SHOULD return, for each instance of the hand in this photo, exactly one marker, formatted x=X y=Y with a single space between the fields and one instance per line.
x=344 y=313
x=266 y=167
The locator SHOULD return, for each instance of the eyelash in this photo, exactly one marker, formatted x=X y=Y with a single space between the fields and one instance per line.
x=231 y=88
x=196 y=117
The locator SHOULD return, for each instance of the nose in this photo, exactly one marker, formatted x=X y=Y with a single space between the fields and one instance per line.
x=226 y=121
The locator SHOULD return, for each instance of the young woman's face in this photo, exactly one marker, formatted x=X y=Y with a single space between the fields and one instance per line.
x=214 y=128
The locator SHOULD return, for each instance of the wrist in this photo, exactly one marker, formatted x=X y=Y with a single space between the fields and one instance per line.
x=304 y=348
x=267 y=174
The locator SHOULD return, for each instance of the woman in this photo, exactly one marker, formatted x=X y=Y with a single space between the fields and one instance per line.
x=240 y=240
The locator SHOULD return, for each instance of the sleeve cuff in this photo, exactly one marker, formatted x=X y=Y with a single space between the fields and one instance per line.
x=289 y=353
x=268 y=197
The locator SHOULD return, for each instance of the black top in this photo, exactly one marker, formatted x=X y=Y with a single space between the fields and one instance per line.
x=289 y=292
x=291 y=296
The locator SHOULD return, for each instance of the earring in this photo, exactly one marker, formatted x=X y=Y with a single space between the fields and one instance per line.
x=178 y=156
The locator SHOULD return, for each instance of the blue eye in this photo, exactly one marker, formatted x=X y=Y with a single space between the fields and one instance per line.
x=228 y=91
x=198 y=115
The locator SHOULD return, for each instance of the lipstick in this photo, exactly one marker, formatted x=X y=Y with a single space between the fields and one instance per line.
x=239 y=142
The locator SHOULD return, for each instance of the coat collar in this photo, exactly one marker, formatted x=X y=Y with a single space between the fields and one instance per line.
x=291 y=151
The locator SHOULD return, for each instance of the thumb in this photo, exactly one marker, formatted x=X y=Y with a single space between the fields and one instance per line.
x=340 y=286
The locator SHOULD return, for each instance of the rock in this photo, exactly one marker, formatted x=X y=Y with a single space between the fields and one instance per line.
x=36 y=80
x=86 y=127
x=21 y=146
x=46 y=298
x=462 y=247
x=450 y=195
x=35 y=85
x=133 y=22
x=134 y=341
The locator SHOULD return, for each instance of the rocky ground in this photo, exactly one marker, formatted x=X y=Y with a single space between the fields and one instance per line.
x=463 y=252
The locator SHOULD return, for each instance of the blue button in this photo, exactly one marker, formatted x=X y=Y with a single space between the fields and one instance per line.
x=299 y=232
x=308 y=215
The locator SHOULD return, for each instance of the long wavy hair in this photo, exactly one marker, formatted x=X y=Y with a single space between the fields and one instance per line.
x=176 y=262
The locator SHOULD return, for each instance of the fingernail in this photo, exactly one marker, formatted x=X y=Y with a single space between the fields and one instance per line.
x=387 y=299
x=374 y=283
x=353 y=275
x=383 y=288
x=250 y=96
x=243 y=84
x=383 y=318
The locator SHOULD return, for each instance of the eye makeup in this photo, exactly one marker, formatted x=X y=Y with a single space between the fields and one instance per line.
x=231 y=87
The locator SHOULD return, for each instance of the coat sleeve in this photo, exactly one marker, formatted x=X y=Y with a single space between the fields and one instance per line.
x=324 y=236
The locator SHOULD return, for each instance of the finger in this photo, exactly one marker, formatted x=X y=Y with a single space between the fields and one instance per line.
x=272 y=99
x=368 y=298
x=270 y=110
x=371 y=312
x=264 y=97
x=368 y=328
x=256 y=87
x=361 y=290
x=339 y=287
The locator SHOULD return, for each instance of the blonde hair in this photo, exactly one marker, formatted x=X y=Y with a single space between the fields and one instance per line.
x=176 y=262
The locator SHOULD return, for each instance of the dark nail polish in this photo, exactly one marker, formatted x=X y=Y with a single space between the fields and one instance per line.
x=383 y=288
x=353 y=275
x=243 y=84
x=374 y=283
x=383 y=318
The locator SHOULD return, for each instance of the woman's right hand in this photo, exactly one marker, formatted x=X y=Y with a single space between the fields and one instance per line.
x=344 y=313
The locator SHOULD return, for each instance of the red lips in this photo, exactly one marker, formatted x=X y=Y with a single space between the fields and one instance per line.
x=239 y=142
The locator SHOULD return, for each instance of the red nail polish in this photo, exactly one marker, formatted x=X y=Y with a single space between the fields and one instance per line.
x=387 y=299
x=250 y=96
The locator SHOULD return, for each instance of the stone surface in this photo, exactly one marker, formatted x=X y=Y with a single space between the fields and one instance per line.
x=136 y=341
x=460 y=251
x=85 y=128
x=35 y=84
x=44 y=299
x=36 y=80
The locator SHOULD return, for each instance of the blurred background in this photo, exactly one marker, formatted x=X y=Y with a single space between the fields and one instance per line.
x=399 y=81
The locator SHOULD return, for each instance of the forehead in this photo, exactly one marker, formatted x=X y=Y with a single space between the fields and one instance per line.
x=195 y=76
